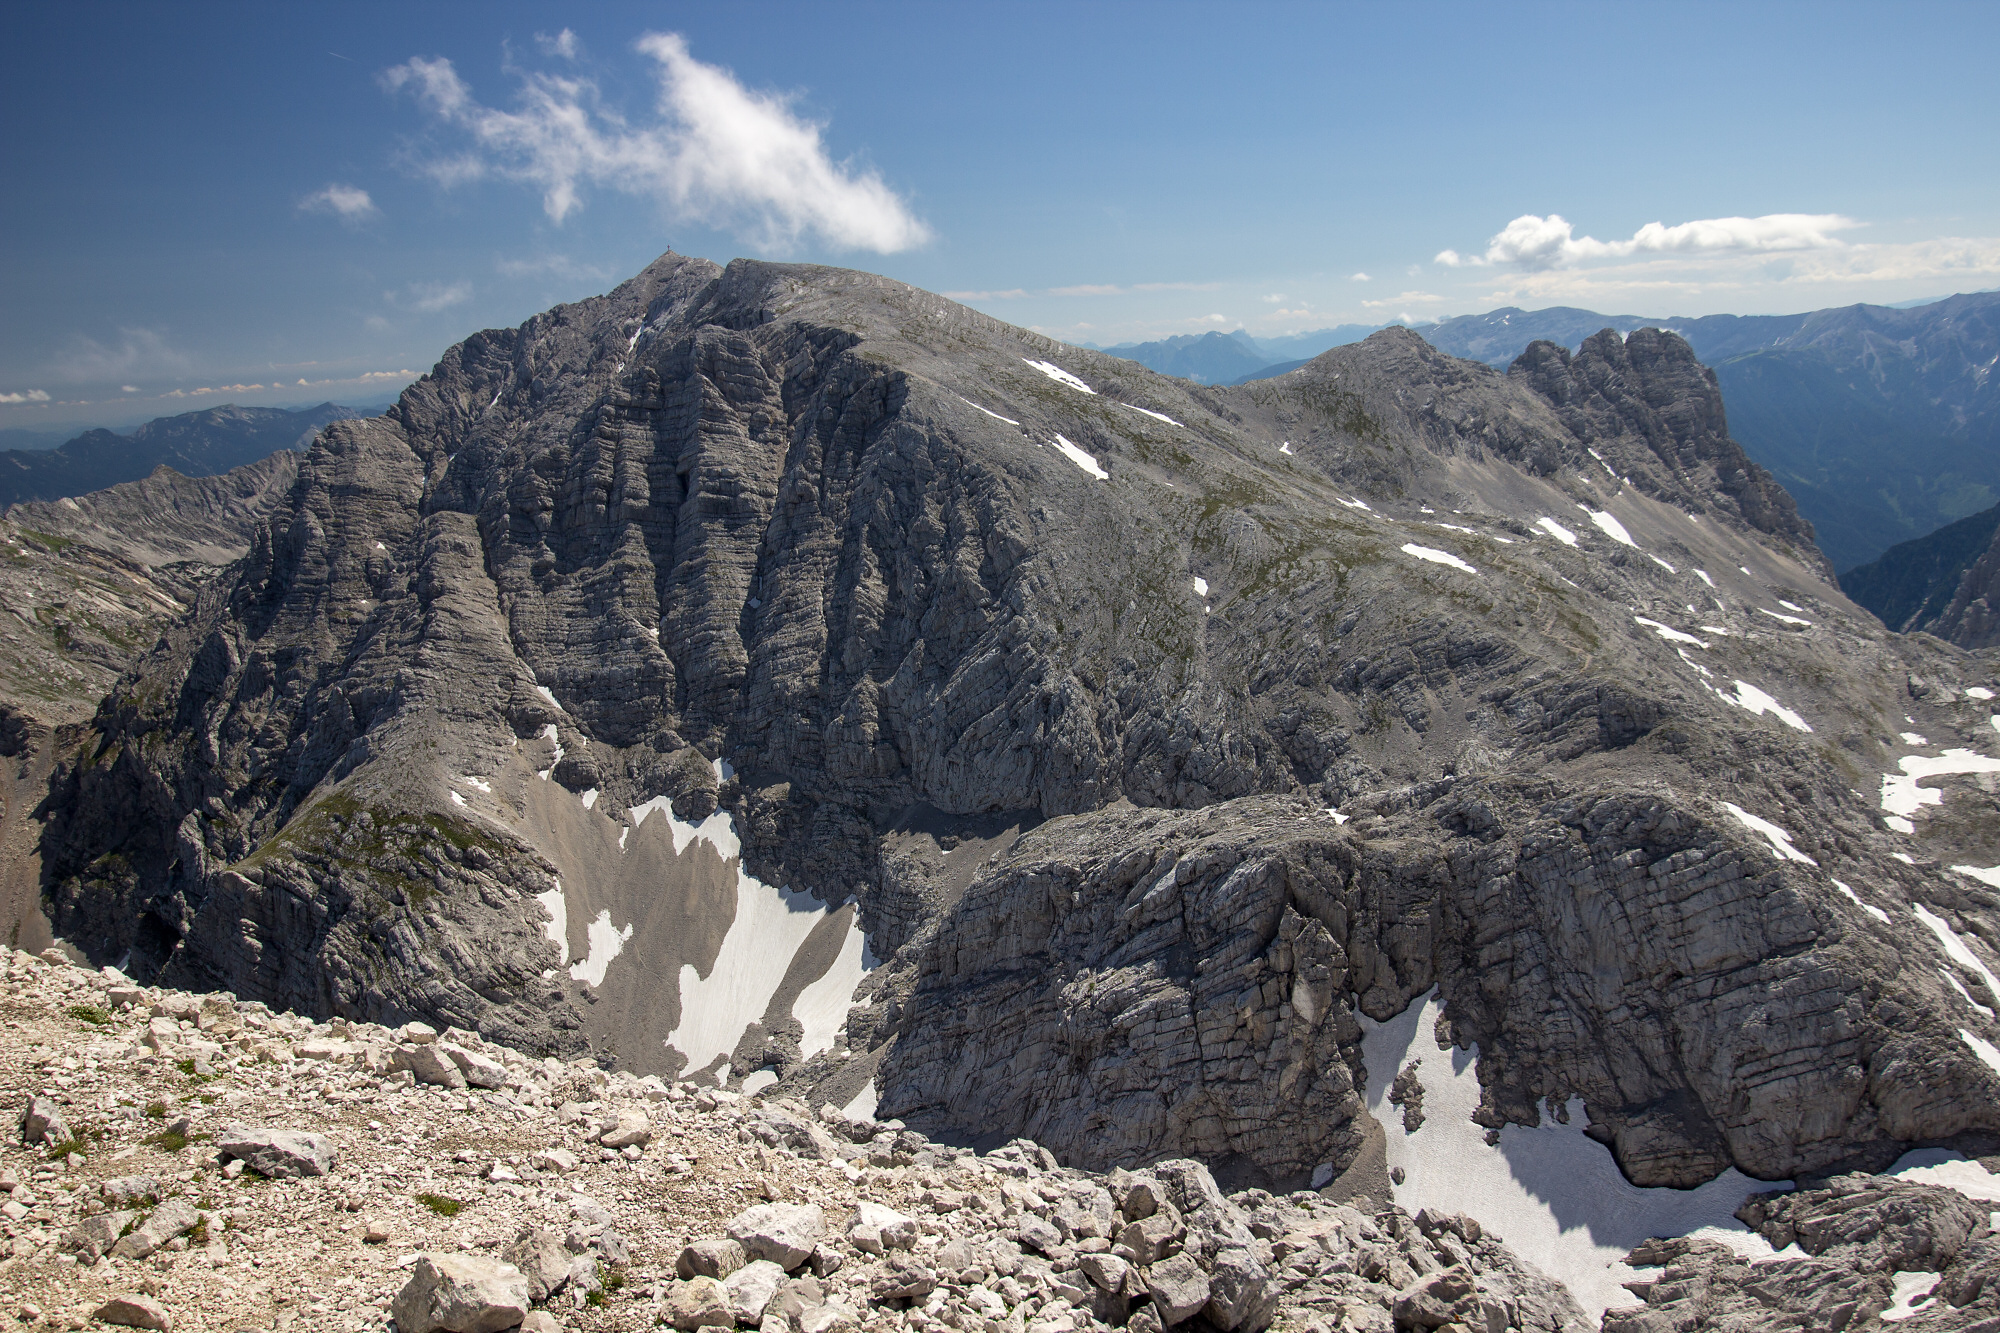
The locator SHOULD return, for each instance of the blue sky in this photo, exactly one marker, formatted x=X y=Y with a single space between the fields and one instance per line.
x=212 y=203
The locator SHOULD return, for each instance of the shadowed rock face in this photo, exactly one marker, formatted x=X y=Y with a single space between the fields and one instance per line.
x=1072 y=741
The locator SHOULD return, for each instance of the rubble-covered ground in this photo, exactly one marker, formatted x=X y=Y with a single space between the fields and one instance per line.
x=200 y=1163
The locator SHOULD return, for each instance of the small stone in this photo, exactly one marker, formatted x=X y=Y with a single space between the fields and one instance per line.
x=542 y=1258
x=42 y=1122
x=751 y=1288
x=417 y=1034
x=1106 y=1270
x=278 y=1153
x=699 y=1302
x=784 y=1233
x=874 y=1229
x=461 y=1293
x=480 y=1071
x=540 y=1321
x=93 y=1237
x=633 y=1128
x=429 y=1066
x=374 y=1233
x=829 y=1317
x=902 y=1279
x=175 y=1217
x=555 y=1159
x=1179 y=1287
x=133 y=1310
x=716 y=1258
x=129 y=1191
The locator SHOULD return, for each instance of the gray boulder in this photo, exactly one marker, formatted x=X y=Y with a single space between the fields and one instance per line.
x=784 y=1233
x=278 y=1153
x=461 y=1293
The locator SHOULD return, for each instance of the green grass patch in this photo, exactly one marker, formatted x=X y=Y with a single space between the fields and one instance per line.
x=167 y=1140
x=439 y=1204
x=156 y=1110
x=90 y=1013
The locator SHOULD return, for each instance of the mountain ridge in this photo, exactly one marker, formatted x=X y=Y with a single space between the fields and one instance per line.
x=979 y=711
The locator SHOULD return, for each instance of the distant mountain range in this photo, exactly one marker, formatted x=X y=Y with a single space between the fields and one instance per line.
x=195 y=444
x=1883 y=423
x=1233 y=358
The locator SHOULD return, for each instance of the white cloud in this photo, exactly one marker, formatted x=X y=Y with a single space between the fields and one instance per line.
x=138 y=353
x=1009 y=294
x=553 y=266
x=718 y=153
x=30 y=396
x=1359 y=277
x=1212 y=319
x=349 y=203
x=1537 y=242
x=564 y=44
x=1405 y=298
x=427 y=298
x=128 y=388
x=1275 y=298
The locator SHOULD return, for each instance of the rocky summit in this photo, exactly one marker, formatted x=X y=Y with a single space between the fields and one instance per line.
x=1397 y=779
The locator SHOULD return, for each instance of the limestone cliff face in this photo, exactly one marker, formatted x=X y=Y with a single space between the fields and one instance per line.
x=772 y=575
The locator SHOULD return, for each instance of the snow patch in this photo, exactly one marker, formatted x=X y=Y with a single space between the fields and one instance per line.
x=1867 y=907
x=1201 y=587
x=549 y=695
x=553 y=737
x=557 y=926
x=769 y=926
x=1900 y=793
x=1702 y=574
x=1437 y=557
x=1662 y=564
x=718 y=830
x=864 y=1104
x=1779 y=615
x=1780 y=840
x=1338 y=818
x=1286 y=448
x=1556 y=530
x=1556 y=1196
x=589 y=798
x=1668 y=632
x=1157 y=416
x=1749 y=697
x=1611 y=527
x=1982 y=1048
x=1979 y=692
x=1942 y=1166
x=995 y=415
x=822 y=1006
x=1990 y=875
x=456 y=799
x=1911 y=738
x=1955 y=948
x=1363 y=504
x=1061 y=376
x=1913 y=1292
x=1082 y=458
x=757 y=1080
x=480 y=783
x=606 y=943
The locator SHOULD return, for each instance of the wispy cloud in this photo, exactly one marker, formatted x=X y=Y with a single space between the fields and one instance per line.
x=427 y=298
x=717 y=152
x=1359 y=277
x=1088 y=289
x=349 y=203
x=564 y=44
x=552 y=266
x=137 y=353
x=25 y=396
x=1404 y=299
x=1535 y=242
